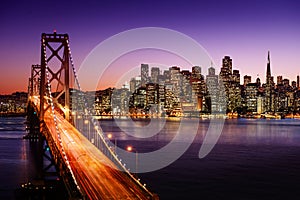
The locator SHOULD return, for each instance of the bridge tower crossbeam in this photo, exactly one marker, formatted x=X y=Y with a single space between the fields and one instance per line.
x=35 y=80
x=62 y=75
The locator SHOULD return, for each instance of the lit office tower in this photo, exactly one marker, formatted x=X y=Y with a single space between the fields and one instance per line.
x=225 y=80
x=226 y=69
x=198 y=87
x=135 y=83
x=144 y=74
x=247 y=79
x=154 y=74
x=234 y=97
x=211 y=71
x=251 y=97
x=286 y=83
x=175 y=80
x=132 y=85
x=279 y=80
x=236 y=76
x=196 y=72
x=258 y=82
x=152 y=94
x=269 y=85
x=212 y=83
x=294 y=84
x=226 y=73
x=166 y=77
x=186 y=85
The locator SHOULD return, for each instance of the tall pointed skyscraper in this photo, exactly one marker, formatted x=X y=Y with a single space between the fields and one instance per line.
x=269 y=87
x=268 y=78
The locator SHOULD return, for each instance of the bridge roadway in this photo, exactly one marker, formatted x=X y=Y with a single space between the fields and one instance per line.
x=96 y=174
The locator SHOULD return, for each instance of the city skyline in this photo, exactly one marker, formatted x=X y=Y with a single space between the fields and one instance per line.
x=262 y=77
x=243 y=30
x=180 y=92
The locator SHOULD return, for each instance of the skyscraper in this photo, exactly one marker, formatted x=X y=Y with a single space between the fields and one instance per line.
x=236 y=77
x=212 y=83
x=251 y=97
x=279 y=80
x=135 y=83
x=247 y=79
x=154 y=74
x=211 y=71
x=268 y=67
x=144 y=74
x=258 y=82
x=231 y=84
x=196 y=72
x=175 y=80
x=226 y=70
x=268 y=87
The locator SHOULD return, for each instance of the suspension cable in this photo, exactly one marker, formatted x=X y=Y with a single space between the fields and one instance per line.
x=54 y=116
x=98 y=129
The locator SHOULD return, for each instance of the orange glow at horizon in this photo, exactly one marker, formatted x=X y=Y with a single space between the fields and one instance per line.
x=128 y=66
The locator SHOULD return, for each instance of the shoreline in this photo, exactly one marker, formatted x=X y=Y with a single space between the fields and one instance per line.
x=13 y=114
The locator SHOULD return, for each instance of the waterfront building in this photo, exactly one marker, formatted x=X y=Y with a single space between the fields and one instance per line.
x=120 y=101
x=258 y=83
x=176 y=80
x=196 y=72
x=199 y=89
x=186 y=90
x=231 y=83
x=247 y=79
x=135 y=83
x=103 y=101
x=138 y=100
x=279 y=80
x=269 y=86
x=226 y=73
x=152 y=94
x=161 y=97
x=144 y=74
x=212 y=82
x=251 y=97
x=234 y=97
x=260 y=104
x=155 y=74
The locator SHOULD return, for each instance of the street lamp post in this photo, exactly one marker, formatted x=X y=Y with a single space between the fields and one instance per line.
x=74 y=118
x=110 y=136
x=130 y=148
x=79 y=119
x=88 y=124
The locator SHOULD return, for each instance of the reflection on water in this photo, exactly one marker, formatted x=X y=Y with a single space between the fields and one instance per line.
x=14 y=162
x=18 y=161
x=235 y=131
x=253 y=159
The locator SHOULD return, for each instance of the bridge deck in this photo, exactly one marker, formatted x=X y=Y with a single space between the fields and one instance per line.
x=96 y=174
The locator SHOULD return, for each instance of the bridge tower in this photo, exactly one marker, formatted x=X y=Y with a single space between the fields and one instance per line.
x=55 y=73
x=33 y=122
x=34 y=80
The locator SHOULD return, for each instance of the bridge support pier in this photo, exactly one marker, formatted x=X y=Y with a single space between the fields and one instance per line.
x=32 y=124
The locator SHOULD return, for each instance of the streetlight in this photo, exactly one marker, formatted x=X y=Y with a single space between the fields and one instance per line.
x=110 y=136
x=86 y=122
x=79 y=122
x=130 y=149
x=74 y=118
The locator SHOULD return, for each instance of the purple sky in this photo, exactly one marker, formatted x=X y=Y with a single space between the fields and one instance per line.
x=243 y=29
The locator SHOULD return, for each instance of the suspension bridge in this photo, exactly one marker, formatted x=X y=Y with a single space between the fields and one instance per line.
x=60 y=117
